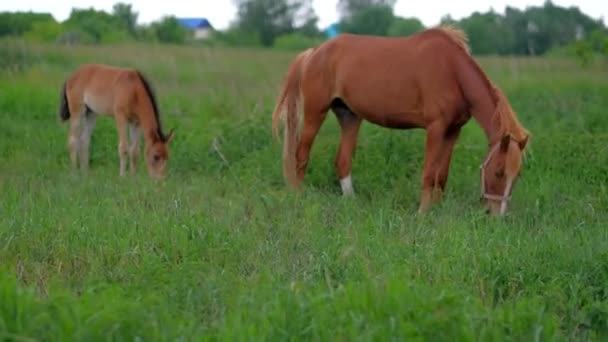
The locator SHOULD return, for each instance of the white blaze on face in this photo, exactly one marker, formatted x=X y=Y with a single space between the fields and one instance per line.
x=505 y=196
x=347 y=186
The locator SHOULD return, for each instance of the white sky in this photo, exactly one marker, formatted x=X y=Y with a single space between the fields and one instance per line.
x=221 y=12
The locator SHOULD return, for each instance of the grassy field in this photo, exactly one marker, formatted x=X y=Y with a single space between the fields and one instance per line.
x=223 y=251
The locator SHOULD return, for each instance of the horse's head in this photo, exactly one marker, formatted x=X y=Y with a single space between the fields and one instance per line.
x=499 y=173
x=157 y=155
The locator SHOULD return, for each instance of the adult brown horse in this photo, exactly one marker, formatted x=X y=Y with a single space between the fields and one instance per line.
x=428 y=80
x=124 y=94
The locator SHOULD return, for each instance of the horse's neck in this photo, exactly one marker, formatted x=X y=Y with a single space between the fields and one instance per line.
x=148 y=124
x=482 y=111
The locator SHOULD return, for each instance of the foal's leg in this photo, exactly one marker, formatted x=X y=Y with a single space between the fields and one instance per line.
x=85 y=140
x=135 y=133
x=123 y=143
x=444 y=163
x=77 y=111
x=349 y=123
x=313 y=118
x=435 y=145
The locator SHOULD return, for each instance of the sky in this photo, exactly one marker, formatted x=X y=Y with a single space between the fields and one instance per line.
x=222 y=12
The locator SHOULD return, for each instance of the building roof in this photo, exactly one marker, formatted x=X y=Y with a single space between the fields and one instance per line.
x=194 y=23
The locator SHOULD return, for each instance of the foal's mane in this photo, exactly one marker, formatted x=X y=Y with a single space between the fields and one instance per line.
x=503 y=117
x=152 y=97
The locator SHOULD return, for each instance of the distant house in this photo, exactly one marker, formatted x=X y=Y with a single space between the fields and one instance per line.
x=332 y=30
x=201 y=27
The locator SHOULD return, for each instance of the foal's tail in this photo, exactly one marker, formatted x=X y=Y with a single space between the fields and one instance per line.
x=287 y=109
x=64 y=110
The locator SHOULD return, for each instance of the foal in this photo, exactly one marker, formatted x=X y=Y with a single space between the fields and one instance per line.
x=428 y=80
x=125 y=94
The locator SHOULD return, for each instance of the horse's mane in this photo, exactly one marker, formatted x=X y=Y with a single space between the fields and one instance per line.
x=457 y=35
x=503 y=117
x=152 y=97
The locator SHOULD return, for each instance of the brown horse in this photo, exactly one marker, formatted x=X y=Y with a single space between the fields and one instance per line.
x=428 y=80
x=124 y=94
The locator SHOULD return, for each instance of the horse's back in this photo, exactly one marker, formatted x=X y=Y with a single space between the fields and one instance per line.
x=103 y=73
x=393 y=81
x=100 y=87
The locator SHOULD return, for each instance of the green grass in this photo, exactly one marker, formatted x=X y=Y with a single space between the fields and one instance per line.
x=223 y=251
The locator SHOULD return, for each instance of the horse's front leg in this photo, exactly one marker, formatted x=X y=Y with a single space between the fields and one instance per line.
x=135 y=134
x=435 y=148
x=123 y=143
x=443 y=166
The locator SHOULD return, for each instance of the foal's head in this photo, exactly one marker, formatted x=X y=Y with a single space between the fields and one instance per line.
x=500 y=172
x=157 y=154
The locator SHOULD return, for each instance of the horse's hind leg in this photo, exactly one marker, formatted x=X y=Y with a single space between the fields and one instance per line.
x=349 y=124
x=135 y=134
x=313 y=119
x=85 y=139
x=77 y=111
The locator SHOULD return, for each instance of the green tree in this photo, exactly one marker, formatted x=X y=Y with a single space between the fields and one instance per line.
x=17 y=23
x=168 y=30
x=272 y=18
x=374 y=20
x=349 y=8
x=488 y=33
x=533 y=31
x=402 y=27
x=92 y=23
x=125 y=16
x=44 y=31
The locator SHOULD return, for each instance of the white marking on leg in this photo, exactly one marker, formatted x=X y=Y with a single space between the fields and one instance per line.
x=85 y=140
x=347 y=186
x=134 y=135
x=505 y=196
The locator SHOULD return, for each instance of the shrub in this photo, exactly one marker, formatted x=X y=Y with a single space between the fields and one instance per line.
x=295 y=41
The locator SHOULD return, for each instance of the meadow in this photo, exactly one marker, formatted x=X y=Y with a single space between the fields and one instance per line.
x=224 y=251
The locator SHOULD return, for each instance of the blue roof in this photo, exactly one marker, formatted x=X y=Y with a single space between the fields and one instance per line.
x=194 y=23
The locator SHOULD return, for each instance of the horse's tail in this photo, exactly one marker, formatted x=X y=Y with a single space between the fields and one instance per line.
x=288 y=104
x=64 y=109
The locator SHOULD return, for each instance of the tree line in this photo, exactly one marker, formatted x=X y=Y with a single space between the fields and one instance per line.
x=535 y=30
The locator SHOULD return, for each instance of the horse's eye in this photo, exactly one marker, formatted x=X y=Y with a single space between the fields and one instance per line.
x=156 y=157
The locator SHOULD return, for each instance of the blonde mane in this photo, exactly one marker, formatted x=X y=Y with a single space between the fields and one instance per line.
x=457 y=35
x=505 y=118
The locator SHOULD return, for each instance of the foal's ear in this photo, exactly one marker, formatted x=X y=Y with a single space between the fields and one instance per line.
x=504 y=142
x=169 y=136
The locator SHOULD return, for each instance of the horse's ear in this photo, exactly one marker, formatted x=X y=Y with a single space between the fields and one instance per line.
x=524 y=142
x=504 y=142
x=169 y=136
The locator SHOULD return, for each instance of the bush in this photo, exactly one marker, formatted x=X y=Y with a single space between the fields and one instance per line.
x=75 y=36
x=236 y=37
x=116 y=37
x=586 y=50
x=44 y=32
x=296 y=41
